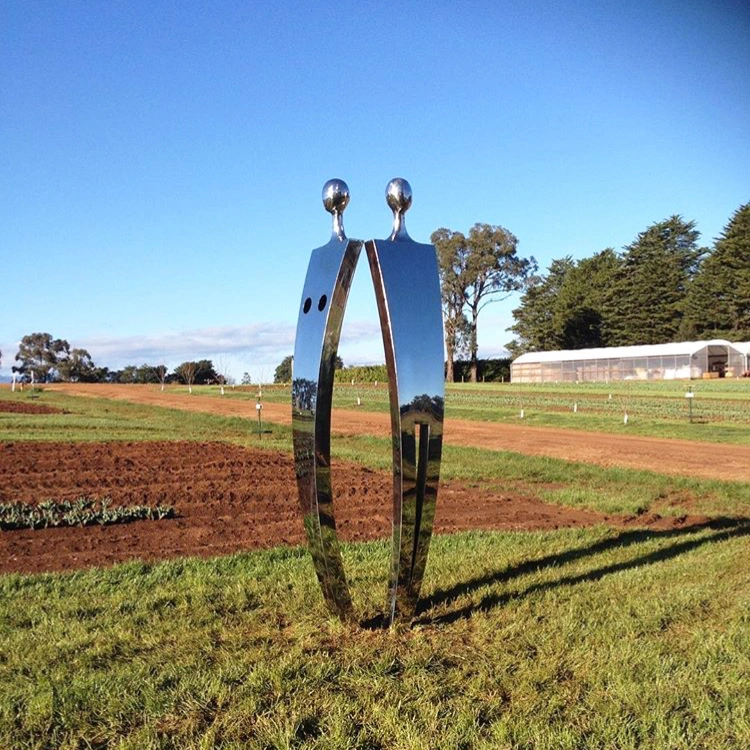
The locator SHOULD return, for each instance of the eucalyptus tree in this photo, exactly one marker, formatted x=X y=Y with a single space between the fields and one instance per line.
x=452 y=254
x=476 y=270
x=76 y=366
x=39 y=355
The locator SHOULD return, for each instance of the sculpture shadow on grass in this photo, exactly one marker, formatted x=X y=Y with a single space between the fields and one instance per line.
x=685 y=540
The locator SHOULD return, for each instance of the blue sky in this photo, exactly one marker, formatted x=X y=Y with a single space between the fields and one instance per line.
x=161 y=162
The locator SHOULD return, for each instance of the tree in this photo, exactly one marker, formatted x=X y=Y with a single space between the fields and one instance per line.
x=195 y=373
x=482 y=268
x=222 y=373
x=645 y=303
x=579 y=316
x=283 y=372
x=451 y=250
x=187 y=372
x=39 y=354
x=77 y=366
x=246 y=379
x=718 y=302
x=538 y=326
x=160 y=371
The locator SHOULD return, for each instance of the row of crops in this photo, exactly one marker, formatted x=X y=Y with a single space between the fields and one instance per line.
x=728 y=401
x=84 y=511
x=648 y=406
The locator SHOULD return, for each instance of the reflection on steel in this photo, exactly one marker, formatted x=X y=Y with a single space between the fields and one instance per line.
x=324 y=295
x=407 y=289
x=405 y=276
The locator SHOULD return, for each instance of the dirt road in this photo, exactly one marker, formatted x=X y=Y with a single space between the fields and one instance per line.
x=679 y=457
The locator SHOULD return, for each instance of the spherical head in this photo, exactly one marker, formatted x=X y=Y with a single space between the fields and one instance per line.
x=398 y=195
x=335 y=196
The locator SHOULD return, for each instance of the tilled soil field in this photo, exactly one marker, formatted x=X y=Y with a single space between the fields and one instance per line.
x=227 y=499
x=18 y=407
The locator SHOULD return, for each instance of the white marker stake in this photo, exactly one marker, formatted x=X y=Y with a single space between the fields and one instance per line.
x=625 y=418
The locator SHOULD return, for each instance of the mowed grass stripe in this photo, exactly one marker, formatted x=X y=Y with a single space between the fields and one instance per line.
x=567 y=639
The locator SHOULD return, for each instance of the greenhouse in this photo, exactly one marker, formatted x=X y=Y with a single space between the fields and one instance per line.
x=744 y=347
x=686 y=360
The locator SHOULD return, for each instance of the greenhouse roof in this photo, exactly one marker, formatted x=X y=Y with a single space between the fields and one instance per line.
x=615 y=352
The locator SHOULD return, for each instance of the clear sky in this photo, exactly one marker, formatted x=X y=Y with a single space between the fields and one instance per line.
x=161 y=162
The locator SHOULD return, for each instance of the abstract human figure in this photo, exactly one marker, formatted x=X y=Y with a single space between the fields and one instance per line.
x=324 y=295
x=407 y=290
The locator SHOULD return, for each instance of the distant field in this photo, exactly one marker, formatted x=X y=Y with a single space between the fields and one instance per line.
x=614 y=635
x=719 y=410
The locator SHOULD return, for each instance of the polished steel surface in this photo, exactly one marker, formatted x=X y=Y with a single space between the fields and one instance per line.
x=324 y=295
x=407 y=290
x=398 y=196
x=335 y=200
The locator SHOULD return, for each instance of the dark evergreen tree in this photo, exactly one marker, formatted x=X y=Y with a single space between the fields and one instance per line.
x=646 y=301
x=537 y=325
x=579 y=313
x=718 y=304
x=283 y=372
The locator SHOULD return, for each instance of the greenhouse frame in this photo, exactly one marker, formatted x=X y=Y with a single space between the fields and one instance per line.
x=674 y=361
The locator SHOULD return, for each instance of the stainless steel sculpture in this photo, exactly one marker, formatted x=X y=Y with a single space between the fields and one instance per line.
x=407 y=289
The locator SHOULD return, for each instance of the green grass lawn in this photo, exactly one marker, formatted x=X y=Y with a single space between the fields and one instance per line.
x=567 y=639
x=97 y=419
x=589 y=638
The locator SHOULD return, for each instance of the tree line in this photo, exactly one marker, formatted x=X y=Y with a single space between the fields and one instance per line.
x=41 y=358
x=664 y=286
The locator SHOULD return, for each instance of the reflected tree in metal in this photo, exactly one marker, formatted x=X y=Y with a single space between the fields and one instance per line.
x=407 y=289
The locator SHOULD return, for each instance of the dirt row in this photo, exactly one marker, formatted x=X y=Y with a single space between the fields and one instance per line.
x=227 y=499
x=22 y=407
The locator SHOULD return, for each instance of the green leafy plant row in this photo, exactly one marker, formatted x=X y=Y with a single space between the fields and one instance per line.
x=84 y=511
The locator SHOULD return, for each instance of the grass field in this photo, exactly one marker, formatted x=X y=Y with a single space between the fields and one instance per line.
x=592 y=638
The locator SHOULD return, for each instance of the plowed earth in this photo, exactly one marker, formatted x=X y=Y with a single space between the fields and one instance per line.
x=17 y=407
x=227 y=499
